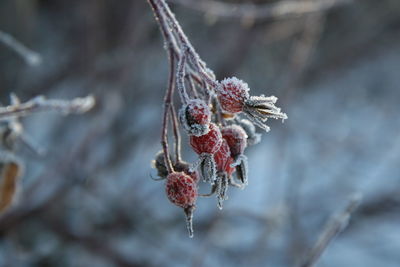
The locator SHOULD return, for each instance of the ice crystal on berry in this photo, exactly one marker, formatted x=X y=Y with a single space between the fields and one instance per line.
x=232 y=94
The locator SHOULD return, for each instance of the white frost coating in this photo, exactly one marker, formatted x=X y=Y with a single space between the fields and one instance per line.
x=233 y=82
x=197 y=108
x=222 y=189
x=180 y=79
x=207 y=167
x=259 y=108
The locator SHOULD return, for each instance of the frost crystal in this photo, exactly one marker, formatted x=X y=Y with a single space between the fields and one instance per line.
x=260 y=108
x=222 y=189
x=207 y=167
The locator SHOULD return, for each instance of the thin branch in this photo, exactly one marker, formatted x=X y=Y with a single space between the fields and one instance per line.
x=167 y=107
x=40 y=103
x=31 y=57
x=177 y=136
x=180 y=80
x=334 y=226
x=278 y=10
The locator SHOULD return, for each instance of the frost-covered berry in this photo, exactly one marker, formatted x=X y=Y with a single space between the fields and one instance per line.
x=236 y=138
x=195 y=117
x=181 y=189
x=223 y=162
x=223 y=159
x=208 y=143
x=232 y=94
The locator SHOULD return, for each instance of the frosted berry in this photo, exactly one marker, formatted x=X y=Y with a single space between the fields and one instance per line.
x=223 y=159
x=181 y=189
x=232 y=94
x=236 y=138
x=195 y=117
x=208 y=143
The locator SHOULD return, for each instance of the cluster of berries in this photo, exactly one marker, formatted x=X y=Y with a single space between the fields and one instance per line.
x=219 y=137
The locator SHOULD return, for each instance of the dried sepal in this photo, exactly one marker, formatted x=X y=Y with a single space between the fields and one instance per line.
x=11 y=170
x=207 y=166
x=222 y=189
x=253 y=137
x=241 y=166
x=159 y=164
x=260 y=108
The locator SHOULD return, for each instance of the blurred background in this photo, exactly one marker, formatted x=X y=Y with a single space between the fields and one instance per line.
x=90 y=200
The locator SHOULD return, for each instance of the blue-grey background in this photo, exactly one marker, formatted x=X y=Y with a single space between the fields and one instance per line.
x=90 y=201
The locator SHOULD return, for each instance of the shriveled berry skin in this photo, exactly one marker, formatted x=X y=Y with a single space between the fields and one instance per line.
x=223 y=159
x=236 y=138
x=181 y=189
x=208 y=143
x=232 y=94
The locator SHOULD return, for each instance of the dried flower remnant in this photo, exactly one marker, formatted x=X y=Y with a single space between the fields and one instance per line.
x=11 y=171
x=210 y=114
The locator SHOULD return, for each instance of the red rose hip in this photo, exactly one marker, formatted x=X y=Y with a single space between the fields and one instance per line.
x=208 y=143
x=181 y=189
x=195 y=117
x=232 y=94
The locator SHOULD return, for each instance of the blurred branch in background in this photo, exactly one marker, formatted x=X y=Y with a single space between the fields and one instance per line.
x=334 y=227
x=29 y=56
x=88 y=202
x=274 y=11
x=40 y=103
